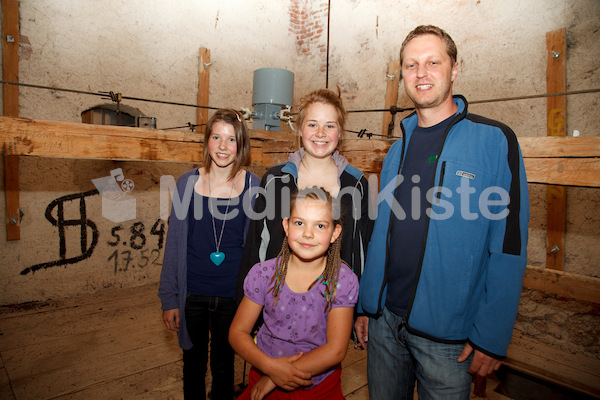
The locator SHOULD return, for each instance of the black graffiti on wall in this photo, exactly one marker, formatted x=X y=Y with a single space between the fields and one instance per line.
x=87 y=244
x=135 y=240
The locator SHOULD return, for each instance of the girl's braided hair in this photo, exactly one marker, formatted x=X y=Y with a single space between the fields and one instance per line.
x=330 y=275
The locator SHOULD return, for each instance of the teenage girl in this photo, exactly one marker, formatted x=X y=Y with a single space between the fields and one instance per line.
x=203 y=252
x=306 y=296
x=320 y=126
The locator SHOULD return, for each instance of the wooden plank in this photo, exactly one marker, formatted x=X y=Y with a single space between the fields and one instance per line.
x=556 y=81
x=71 y=351
x=354 y=375
x=11 y=196
x=564 y=171
x=391 y=94
x=560 y=146
x=91 y=370
x=264 y=135
x=158 y=383
x=574 y=371
x=556 y=196
x=556 y=226
x=203 y=88
x=10 y=57
x=379 y=147
x=32 y=330
x=6 y=392
x=574 y=286
x=20 y=136
x=10 y=105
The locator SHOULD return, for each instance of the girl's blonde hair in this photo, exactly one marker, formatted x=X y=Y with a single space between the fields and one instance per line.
x=330 y=275
x=242 y=138
x=324 y=96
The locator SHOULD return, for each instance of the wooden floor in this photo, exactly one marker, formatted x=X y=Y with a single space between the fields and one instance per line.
x=110 y=345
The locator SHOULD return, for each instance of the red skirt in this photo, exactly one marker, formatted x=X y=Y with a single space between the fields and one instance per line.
x=329 y=389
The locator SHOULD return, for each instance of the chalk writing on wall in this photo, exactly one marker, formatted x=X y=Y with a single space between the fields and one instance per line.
x=136 y=254
x=87 y=244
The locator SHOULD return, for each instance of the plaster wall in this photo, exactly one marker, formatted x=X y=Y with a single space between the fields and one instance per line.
x=149 y=49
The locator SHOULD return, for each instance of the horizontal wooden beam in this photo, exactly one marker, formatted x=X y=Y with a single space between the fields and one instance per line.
x=560 y=146
x=534 y=357
x=548 y=160
x=21 y=136
x=564 y=171
x=573 y=286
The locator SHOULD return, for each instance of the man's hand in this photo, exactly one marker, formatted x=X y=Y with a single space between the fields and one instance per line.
x=482 y=364
x=361 y=327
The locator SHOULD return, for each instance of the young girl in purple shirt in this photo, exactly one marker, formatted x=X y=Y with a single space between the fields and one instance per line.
x=307 y=296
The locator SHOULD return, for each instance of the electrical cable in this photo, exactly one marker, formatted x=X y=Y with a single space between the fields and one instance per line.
x=393 y=109
x=327 y=58
x=105 y=94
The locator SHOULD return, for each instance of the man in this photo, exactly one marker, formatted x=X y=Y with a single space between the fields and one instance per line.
x=445 y=264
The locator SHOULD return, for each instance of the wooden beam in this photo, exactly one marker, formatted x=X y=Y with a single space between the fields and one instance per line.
x=556 y=196
x=11 y=195
x=10 y=57
x=573 y=286
x=391 y=94
x=22 y=136
x=203 y=86
x=563 y=171
x=10 y=106
x=560 y=146
x=536 y=358
x=552 y=162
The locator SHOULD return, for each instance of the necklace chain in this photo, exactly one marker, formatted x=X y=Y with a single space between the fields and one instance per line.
x=218 y=244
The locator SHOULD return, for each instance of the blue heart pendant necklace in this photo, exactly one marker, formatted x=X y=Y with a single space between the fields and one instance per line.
x=217 y=257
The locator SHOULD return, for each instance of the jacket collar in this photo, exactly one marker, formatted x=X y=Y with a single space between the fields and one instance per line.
x=410 y=122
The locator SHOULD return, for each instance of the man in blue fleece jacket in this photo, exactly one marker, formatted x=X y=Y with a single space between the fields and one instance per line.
x=444 y=270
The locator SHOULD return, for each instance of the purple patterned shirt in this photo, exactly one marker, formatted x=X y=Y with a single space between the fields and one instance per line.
x=298 y=322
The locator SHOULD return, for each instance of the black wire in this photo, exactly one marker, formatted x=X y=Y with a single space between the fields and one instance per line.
x=535 y=96
x=189 y=125
x=327 y=59
x=361 y=133
x=105 y=94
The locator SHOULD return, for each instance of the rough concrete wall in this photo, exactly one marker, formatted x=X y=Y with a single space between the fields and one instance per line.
x=150 y=50
x=565 y=324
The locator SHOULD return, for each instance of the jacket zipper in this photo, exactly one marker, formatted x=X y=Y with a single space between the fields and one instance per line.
x=423 y=247
x=438 y=195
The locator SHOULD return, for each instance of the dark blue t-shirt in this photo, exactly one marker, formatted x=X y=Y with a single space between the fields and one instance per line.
x=407 y=234
x=203 y=276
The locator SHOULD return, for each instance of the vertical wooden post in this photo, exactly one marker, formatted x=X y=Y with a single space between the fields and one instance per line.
x=203 y=86
x=556 y=196
x=10 y=105
x=391 y=92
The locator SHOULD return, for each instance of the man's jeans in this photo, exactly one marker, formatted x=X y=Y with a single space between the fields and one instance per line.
x=396 y=358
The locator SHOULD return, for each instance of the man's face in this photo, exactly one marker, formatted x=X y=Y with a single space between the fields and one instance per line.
x=428 y=72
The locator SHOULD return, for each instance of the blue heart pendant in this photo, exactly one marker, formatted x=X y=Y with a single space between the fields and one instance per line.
x=217 y=257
